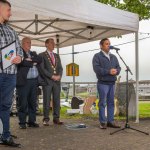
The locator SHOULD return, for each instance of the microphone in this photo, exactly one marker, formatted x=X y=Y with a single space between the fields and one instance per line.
x=112 y=47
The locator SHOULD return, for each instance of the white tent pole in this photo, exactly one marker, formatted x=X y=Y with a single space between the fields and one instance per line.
x=137 y=74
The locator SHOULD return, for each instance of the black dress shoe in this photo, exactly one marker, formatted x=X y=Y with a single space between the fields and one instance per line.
x=103 y=126
x=112 y=125
x=23 y=126
x=33 y=125
x=46 y=122
x=10 y=142
x=58 y=122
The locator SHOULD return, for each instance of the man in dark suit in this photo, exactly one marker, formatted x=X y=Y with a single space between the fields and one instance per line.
x=51 y=69
x=27 y=85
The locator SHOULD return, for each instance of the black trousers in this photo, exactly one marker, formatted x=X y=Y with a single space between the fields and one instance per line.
x=51 y=92
x=27 y=99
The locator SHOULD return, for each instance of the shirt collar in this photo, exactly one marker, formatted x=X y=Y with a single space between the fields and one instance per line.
x=2 y=24
x=50 y=52
x=106 y=53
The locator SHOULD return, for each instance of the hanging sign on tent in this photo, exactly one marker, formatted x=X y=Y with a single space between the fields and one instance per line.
x=72 y=69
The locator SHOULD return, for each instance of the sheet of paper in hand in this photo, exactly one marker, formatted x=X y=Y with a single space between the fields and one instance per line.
x=8 y=54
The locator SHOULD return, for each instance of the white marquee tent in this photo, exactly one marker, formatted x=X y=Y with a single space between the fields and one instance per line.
x=72 y=22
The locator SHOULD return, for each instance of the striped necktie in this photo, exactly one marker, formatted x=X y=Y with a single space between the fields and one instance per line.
x=52 y=58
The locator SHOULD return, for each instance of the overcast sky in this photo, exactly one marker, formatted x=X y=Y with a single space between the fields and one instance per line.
x=127 y=51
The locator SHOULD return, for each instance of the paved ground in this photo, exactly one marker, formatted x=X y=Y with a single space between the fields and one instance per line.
x=92 y=138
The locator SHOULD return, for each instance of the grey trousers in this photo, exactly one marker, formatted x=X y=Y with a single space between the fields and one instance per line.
x=51 y=92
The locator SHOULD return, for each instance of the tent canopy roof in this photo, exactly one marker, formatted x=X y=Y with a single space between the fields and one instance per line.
x=69 y=21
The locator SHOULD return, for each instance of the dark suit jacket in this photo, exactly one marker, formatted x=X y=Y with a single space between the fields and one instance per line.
x=46 y=69
x=24 y=66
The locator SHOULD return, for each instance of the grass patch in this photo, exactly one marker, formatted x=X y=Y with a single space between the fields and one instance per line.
x=144 y=109
x=83 y=116
x=76 y=116
x=144 y=112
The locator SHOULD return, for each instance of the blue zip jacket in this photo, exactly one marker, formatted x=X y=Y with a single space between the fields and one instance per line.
x=102 y=66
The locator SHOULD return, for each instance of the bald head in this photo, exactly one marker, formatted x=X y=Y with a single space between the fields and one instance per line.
x=26 y=44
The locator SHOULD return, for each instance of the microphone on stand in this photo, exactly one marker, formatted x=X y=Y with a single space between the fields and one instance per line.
x=115 y=48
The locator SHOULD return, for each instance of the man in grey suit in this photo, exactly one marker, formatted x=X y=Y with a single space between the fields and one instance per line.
x=51 y=70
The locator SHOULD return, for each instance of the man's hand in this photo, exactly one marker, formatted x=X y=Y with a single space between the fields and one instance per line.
x=16 y=60
x=113 y=71
x=56 y=77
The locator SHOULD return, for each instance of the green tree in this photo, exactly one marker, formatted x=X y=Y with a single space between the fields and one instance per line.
x=141 y=7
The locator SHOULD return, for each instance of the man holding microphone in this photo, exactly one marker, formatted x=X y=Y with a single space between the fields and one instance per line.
x=106 y=67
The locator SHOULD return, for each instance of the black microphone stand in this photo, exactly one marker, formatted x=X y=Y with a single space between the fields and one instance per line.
x=127 y=126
